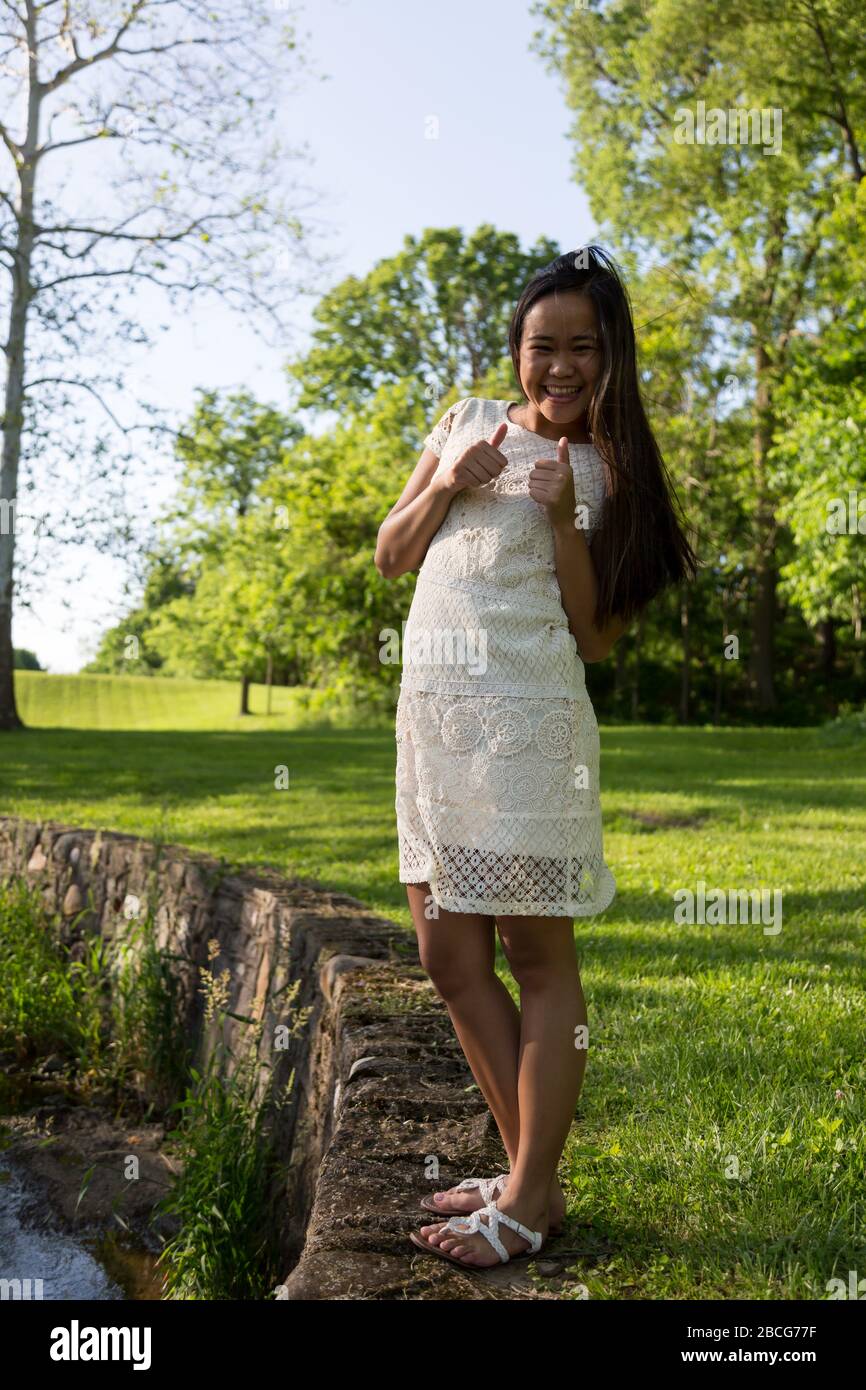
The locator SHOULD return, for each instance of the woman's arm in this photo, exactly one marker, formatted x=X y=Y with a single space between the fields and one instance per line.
x=422 y=506
x=578 y=585
x=551 y=483
x=413 y=521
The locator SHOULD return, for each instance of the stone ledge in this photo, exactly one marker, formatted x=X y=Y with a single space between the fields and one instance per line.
x=382 y=1085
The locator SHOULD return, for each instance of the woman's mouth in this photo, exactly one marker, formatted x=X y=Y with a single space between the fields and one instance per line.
x=562 y=394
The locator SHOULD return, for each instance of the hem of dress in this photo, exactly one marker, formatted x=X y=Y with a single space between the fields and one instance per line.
x=420 y=685
x=491 y=907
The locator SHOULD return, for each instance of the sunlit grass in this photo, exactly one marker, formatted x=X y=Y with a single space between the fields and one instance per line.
x=719 y=1149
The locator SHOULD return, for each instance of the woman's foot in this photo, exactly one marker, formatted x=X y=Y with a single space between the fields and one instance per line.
x=471 y=1200
x=475 y=1250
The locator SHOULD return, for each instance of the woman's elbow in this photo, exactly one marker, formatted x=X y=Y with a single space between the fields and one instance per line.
x=388 y=567
x=383 y=566
x=590 y=653
x=382 y=560
x=597 y=647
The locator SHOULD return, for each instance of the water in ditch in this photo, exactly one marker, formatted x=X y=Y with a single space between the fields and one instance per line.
x=40 y=1259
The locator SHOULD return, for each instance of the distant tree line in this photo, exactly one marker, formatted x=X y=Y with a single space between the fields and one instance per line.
x=262 y=568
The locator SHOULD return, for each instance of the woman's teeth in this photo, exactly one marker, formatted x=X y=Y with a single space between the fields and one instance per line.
x=563 y=393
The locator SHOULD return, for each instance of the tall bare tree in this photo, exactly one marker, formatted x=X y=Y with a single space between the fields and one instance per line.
x=140 y=144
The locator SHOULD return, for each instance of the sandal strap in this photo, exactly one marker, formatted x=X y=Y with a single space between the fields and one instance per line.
x=534 y=1238
x=472 y=1224
x=486 y=1186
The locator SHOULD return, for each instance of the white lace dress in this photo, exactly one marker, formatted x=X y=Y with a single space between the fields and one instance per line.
x=497 y=783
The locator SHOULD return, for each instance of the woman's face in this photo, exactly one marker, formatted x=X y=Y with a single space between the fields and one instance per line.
x=560 y=356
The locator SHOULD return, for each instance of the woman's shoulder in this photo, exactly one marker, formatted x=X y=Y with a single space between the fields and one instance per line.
x=468 y=413
x=476 y=411
x=476 y=405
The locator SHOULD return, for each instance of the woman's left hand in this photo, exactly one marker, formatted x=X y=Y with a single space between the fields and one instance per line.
x=551 y=483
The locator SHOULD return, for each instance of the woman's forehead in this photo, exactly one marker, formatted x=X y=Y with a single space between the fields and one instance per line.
x=565 y=311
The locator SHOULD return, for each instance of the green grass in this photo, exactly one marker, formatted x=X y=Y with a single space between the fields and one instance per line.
x=46 y=1003
x=111 y=1013
x=714 y=1051
x=114 y=1020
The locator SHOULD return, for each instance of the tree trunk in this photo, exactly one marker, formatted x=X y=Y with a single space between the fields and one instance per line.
x=826 y=634
x=720 y=673
x=764 y=606
x=635 y=666
x=685 y=678
x=13 y=412
x=620 y=672
x=270 y=679
x=245 y=695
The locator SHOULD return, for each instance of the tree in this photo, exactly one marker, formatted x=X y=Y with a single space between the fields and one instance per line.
x=26 y=660
x=219 y=534
x=755 y=226
x=435 y=314
x=820 y=449
x=131 y=647
x=171 y=82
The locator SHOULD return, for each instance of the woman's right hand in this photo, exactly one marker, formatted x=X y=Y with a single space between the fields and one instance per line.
x=478 y=465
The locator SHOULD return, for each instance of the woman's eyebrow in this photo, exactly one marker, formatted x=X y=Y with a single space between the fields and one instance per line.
x=547 y=338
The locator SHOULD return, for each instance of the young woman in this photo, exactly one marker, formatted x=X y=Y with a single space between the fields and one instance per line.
x=541 y=529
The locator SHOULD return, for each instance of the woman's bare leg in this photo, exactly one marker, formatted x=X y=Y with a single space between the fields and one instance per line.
x=457 y=950
x=541 y=953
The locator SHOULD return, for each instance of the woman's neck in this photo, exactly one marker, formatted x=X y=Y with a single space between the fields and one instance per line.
x=532 y=419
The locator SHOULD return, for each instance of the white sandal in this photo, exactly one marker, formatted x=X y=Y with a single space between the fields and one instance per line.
x=486 y=1186
x=473 y=1224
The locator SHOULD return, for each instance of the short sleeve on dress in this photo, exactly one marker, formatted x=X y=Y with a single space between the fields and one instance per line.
x=438 y=436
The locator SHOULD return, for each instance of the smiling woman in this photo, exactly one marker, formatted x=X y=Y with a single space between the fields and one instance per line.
x=559 y=364
x=498 y=809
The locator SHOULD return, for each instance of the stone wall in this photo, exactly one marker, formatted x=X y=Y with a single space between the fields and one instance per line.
x=382 y=1094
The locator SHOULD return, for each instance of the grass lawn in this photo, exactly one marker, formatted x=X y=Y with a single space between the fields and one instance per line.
x=720 y=1147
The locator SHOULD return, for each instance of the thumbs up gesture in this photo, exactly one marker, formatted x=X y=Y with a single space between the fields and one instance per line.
x=477 y=465
x=551 y=483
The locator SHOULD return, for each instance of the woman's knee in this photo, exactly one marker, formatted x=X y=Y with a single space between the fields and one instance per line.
x=537 y=956
x=457 y=951
x=453 y=970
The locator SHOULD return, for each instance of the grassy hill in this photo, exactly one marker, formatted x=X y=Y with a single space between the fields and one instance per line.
x=721 y=1135
x=150 y=702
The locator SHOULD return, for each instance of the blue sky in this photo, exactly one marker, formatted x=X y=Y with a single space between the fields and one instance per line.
x=381 y=69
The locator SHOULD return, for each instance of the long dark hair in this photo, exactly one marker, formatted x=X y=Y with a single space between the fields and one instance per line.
x=642 y=542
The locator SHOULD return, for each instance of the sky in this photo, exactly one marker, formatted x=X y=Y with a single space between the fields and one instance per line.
x=384 y=74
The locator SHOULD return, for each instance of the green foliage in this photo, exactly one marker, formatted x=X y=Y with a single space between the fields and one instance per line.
x=150 y=1052
x=431 y=317
x=115 y=1016
x=849 y=727
x=109 y=1008
x=40 y=997
x=132 y=646
x=820 y=448
x=227 y=1192
x=25 y=660
x=745 y=268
